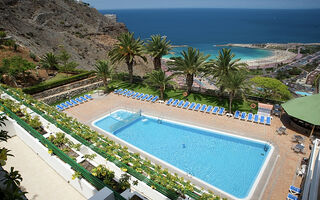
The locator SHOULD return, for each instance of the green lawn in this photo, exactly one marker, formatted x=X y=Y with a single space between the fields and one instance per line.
x=58 y=77
x=241 y=105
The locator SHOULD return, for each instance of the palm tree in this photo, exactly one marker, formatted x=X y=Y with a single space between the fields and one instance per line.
x=190 y=64
x=49 y=61
x=317 y=83
x=126 y=50
x=223 y=64
x=104 y=71
x=235 y=84
x=157 y=47
x=160 y=80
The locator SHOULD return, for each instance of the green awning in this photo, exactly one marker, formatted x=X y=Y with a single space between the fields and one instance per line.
x=304 y=108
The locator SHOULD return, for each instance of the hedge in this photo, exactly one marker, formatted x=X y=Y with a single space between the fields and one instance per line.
x=45 y=86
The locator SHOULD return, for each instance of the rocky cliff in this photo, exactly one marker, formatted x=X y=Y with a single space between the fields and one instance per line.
x=44 y=25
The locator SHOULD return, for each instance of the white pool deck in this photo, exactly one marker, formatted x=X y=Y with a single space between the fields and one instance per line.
x=39 y=179
x=282 y=165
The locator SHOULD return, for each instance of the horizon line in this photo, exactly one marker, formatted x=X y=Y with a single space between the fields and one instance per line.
x=151 y=8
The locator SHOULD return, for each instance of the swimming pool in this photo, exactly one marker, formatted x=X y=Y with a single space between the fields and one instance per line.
x=231 y=164
x=303 y=93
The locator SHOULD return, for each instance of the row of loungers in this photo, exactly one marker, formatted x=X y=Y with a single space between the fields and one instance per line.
x=136 y=95
x=73 y=102
x=251 y=117
x=195 y=106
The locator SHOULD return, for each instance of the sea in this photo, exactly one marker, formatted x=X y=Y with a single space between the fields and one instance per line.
x=204 y=28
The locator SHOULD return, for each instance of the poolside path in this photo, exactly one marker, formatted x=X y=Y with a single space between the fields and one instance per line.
x=283 y=174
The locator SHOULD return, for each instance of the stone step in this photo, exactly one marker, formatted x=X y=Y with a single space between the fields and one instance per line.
x=65 y=87
x=65 y=95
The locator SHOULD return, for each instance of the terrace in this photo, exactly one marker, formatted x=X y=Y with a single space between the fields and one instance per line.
x=277 y=178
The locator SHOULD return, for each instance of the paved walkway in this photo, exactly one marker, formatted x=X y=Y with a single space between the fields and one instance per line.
x=283 y=174
x=39 y=179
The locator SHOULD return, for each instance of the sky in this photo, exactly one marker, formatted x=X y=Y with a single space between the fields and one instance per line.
x=262 y=4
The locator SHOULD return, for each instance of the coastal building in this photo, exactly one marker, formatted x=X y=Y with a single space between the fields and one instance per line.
x=111 y=17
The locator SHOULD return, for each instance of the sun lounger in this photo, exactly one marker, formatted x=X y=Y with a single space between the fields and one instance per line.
x=294 y=190
x=256 y=118
x=59 y=108
x=139 y=97
x=118 y=90
x=135 y=95
x=88 y=96
x=250 y=116
x=64 y=105
x=169 y=101
x=192 y=105
x=83 y=99
x=261 y=119
x=185 y=106
x=180 y=104
x=149 y=98
x=69 y=103
x=209 y=108
x=299 y=148
x=237 y=114
x=298 y=138
x=175 y=103
x=74 y=102
x=155 y=99
x=215 y=110
x=268 y=121
x=144 y=97
x=197 y=107
x=291 y=197
x=123 y=91
x=301 y=172
x=203 y=108
x=221 y=111
x=243 y=116
x=79 y=100
x=127 y=92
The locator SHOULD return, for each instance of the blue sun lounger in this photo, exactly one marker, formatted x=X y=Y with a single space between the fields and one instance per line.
x=180 y=104
x=250 y=116
x=215 y=110
x=169 y=101
x=74 y=102
x=221 y=111
x=236 y=114
x=203 y=108
x=268 y=121
x=294 y=190
x=135 y=95
x=79 y=100
x=197 y=107
x=88 y=96
x=155 y=99
x=185 y=106
x=83 y=99
x=175 y=103
x=144 y=97
x=127 y=92
x=149 y=98
x=256 y=118
x=132 y=93
x=209 y=109
x=291 y=197
x=123 y=91
x=261 y=119
x=69 y=103
x=118 y=90
x=59 y=107
x=192 y=105
x=139 y=97
x=64 y=105
x=243 y=116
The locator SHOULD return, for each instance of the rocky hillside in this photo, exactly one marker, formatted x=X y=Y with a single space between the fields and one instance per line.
x=44 y=25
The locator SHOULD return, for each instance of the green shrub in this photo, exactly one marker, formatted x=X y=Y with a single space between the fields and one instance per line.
x=45 y=86
x=33 y=56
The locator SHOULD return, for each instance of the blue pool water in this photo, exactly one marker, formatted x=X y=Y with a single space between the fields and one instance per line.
x=228 y=163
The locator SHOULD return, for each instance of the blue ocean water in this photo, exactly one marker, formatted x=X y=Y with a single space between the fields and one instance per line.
x=204 y=28
x=228 y=163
